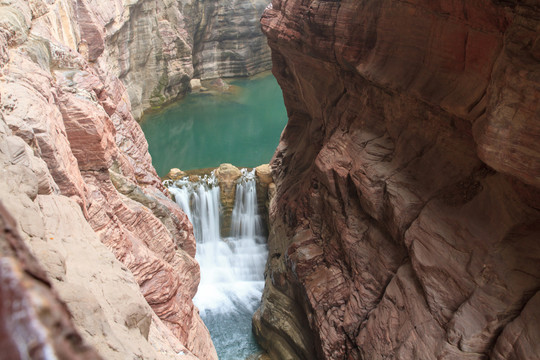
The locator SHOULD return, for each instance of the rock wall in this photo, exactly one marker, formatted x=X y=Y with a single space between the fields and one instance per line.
x=29 y=307
x=146 y=44
x=226 y=37
x=157 y=46
x=142 y=42
x=406 y=219
x=77 y=178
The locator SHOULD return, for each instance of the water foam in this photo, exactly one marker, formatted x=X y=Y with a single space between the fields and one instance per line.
x=232 y=268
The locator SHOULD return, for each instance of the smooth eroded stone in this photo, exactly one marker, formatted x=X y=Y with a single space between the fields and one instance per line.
x=264 y=174
x=175 y=174
x=195 y=85
x=227 y=173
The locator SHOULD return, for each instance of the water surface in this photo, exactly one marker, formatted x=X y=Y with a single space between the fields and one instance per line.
x=204 y=130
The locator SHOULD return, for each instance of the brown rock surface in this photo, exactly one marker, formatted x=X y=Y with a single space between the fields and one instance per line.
x=264 y=174
x=405 y=223
x=77 y=176
x=227 y=176
x=175 y=174
x=265 y=189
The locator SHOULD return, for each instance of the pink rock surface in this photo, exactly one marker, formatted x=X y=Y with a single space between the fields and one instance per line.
x=410 y=166
x=75 y=115
x=29 y=307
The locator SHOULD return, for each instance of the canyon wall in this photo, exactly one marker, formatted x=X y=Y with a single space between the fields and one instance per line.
x=144 y=43
x=77 y=179
x=157 y=46
x=406 y=219
x=226 y=37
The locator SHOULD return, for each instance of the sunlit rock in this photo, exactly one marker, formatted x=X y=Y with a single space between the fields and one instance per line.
x=175 y=174
x=77 y=176
x=264 y=174
x=195 y=85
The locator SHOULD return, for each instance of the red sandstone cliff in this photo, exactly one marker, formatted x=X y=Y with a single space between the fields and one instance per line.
x=406 y=223
x=76 y=175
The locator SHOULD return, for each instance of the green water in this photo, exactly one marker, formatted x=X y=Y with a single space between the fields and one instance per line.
x=205 y=130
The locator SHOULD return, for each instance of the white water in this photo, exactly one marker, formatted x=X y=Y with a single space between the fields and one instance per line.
x=232 y=268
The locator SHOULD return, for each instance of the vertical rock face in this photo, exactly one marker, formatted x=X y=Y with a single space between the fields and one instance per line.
x=226 y=37
x=406 y=219
x=152 y=46
x=143 y=42
x=227 y=176
x=157 y=46
x=77 y=177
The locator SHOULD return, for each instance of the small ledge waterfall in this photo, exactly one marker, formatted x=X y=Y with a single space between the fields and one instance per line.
x=232 y=267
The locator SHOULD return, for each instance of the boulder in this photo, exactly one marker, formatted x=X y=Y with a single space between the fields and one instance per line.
x=227 y=176
x=264 y=174
x=175 y=174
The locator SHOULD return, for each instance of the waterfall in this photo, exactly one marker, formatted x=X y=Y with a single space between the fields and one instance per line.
x=200 y=202
x=246 y=223
x=232 y=267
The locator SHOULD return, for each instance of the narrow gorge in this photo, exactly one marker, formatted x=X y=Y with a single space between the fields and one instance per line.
x=97 y=260
x=402 y=204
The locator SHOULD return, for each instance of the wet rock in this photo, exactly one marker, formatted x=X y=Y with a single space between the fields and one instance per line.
x=218 y=85
x=265 y=189
x=227 y=175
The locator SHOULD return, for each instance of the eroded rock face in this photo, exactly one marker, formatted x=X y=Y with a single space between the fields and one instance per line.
x=226 y=38
x=77 y=177
x=148 y=47
x=156 y=47
x=406 y=220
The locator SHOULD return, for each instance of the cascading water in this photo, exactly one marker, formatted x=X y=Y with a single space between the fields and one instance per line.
x=232 y=268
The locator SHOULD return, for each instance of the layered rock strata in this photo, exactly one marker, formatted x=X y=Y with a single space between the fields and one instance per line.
x=226 y=37
x=157 y=46
x=77 y=177
x=143 y=42
x=406 y=219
